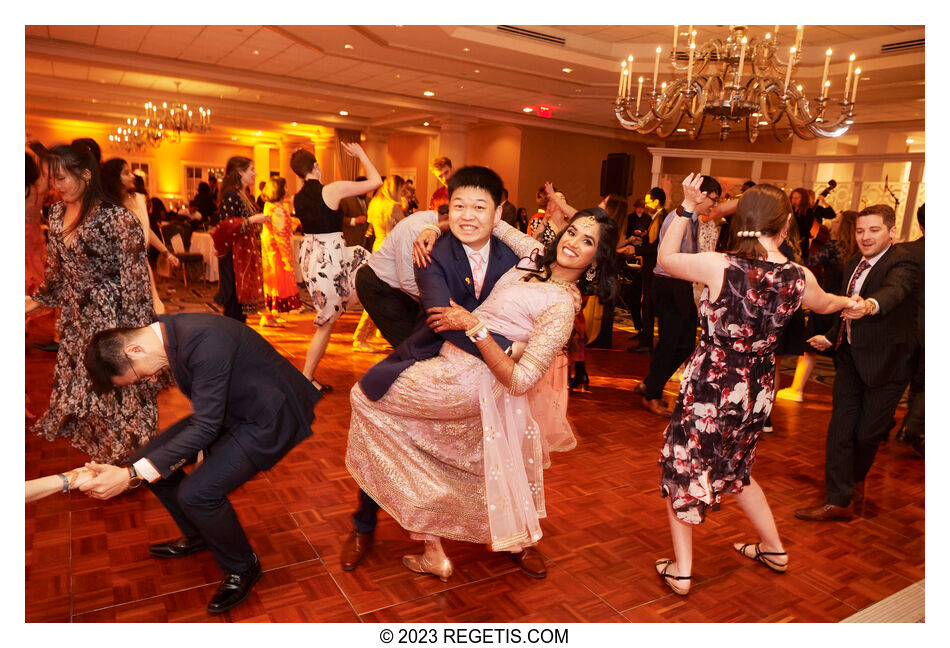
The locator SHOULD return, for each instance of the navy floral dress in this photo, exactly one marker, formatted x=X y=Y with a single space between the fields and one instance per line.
x=727 y=389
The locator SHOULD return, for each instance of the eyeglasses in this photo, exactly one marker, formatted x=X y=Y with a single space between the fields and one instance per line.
x=715 y=201
x=129 y=360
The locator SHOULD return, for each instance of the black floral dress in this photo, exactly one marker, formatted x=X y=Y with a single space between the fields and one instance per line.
x=98 y=280
x=728 y=388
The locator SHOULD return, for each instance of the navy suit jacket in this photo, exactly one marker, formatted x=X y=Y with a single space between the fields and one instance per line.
x=237 y=384
x=449 y=275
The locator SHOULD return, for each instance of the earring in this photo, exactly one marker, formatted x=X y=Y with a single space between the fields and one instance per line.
x=591 y=273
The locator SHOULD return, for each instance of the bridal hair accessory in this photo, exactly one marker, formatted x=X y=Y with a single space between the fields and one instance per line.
x=749 y=234
x=588 y=221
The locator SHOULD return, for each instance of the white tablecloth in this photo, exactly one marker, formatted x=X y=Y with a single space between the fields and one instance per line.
x=202 y=243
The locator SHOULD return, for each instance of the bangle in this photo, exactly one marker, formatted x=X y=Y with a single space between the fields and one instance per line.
x=478 y=332
x=432 y=228
x=65 y=482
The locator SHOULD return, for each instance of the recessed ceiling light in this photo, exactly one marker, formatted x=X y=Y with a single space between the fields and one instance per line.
x=344 y=113
x=260 y=132
x=256 y=52
x=348 y=46
x=909 y=140
x=527 y=109
x=233 y=138
x=577 y=90
x=566 y=70
x=425 y=123
x=465 y=49
x=429 y=93
x=478 y=71
x=294 y=123
x=680 y=130
x=763 y=123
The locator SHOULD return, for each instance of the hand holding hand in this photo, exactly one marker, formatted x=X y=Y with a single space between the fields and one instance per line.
x=692 y=195
x=517 y=348
x=857 y=309
x=108 y=482
x=450 y=318
x=820 y=342
x=422 y=246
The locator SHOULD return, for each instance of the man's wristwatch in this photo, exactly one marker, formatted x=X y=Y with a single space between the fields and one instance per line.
x=134 y=478
x=685 y=214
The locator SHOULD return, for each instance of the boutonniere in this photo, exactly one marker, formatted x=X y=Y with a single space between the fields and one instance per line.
x=468 y=280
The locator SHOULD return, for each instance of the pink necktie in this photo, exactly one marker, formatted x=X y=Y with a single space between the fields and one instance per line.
x=862 y=267
x=478 y=272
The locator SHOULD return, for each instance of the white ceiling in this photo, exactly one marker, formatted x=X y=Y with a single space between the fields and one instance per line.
x=269 y=76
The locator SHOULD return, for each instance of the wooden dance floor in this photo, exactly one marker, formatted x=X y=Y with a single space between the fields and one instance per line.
x=87 y=561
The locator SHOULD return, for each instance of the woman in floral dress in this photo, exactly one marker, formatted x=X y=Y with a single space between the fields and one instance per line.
x=97 y=275
x=727 y=389
x=328 y=265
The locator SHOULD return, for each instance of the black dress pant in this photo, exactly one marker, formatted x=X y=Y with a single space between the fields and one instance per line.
x=364 y=520
x=647 y=312
x=676 y=317
x=227 y=290
x=394 y=313
x=198 y=501
x=861 y=417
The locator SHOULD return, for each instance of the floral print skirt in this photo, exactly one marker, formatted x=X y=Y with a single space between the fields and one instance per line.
x=329 y=269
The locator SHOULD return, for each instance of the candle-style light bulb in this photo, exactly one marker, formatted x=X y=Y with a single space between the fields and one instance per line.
x=788 y=70
x=689 y=72
x=629 y=73
x=741 y=59
x=847 y=79
x=824 y=74
x=639 y=92
x=623 y=66
x=656 y=66
x=854 y=91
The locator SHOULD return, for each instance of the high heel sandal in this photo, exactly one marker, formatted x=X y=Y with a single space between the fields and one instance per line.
x=668 y=578
x=418 y=563
x=323 y=389
x=760 y=556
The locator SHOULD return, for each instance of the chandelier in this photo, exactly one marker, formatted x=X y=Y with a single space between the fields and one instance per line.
x=740 y=81
x=138 y=133
x=159 y=125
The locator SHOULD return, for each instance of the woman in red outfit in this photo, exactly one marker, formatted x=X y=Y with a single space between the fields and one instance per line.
x=277 y=251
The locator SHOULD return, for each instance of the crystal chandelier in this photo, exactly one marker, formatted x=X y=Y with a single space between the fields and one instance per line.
x=176 y=117
x=740 y=81
x=137 y=133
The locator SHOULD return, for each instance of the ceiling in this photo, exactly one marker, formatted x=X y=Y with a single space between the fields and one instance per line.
x=267 y=77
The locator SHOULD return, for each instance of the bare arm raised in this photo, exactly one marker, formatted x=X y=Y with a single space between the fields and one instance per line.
x=334 y=192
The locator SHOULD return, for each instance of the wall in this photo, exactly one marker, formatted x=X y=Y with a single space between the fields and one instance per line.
x=412 y=151
x=499 y=148
x=572 y=162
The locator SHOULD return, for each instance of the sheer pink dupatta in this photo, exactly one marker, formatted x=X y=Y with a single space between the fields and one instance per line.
x=516 y=450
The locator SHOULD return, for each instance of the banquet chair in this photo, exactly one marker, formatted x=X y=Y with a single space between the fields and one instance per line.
x=186 y=257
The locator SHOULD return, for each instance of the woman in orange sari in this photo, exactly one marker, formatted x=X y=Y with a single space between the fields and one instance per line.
x=277 y=251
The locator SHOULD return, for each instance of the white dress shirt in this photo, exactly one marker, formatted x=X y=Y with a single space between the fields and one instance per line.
x=860 y=281
x=392 y=262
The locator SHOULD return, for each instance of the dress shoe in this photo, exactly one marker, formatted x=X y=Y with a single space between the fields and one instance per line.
x=234 y=588
x=419 y=564
x=323 y=389
x=637 y=348
x=579 y=383
x=530 y=562
x=178 y=548
x=355 y=550
x=656 y=406
x=826 y=513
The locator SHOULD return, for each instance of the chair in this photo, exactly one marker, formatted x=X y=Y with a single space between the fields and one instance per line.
x=186 y=257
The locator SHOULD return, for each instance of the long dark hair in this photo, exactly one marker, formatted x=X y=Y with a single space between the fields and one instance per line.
x=112 y=180
x=232 y=174
x=604 y=285
x=763 y=208
x=74 y=159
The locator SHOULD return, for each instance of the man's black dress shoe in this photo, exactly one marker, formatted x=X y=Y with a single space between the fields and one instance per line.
x=178 y=548
x=234 y=589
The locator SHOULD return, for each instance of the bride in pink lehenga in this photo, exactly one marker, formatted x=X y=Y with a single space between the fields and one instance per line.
x=456 y=447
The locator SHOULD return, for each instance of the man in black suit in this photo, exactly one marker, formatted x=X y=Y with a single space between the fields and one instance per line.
x=509 y=213
x=875 y=344
x=251 y=407
x=912 y=429
x=464 y=267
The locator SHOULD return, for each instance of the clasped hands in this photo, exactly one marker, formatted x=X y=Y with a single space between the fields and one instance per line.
x=858 y=308
x=422 y=246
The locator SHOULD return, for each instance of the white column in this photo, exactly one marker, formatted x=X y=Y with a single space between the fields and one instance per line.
x=376 y=145
x=656 y=170
x=857 y=178
x=453 y=141
x=756 y=171
x=910 y=208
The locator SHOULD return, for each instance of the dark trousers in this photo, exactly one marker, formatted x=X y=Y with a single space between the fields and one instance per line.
x=861 y=417
x=393 y=312
x=198 y=501
x=914 y=419
x=227 y=291
x=364 y=520
x=647 y=312
x=676 y=317
x=631 y=293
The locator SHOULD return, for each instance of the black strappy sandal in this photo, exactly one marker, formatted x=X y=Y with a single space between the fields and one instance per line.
x=323 y=389
x=668 y=578
x=760 y=556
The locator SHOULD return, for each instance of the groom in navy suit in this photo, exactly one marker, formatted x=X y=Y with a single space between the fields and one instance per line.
x=464 y=267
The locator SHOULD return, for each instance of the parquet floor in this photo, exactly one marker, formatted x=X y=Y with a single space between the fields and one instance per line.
x=86 y=561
